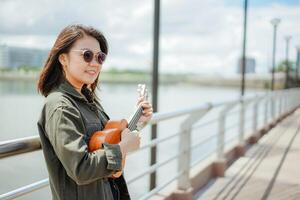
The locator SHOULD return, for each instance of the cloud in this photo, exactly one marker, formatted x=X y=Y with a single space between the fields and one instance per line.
x=196 y=36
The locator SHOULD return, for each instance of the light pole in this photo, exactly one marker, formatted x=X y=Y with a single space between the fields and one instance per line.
x=287 y=40
x=244 y=48
x=155 y=83
x=275 y=23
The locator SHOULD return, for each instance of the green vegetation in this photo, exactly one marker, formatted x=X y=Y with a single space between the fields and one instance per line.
x=281 y=67
x=24 y=68
x=113 y=70
x=126 y=75
x=28 y=68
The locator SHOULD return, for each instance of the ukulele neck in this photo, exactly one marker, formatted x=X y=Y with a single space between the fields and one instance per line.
x=135 y=118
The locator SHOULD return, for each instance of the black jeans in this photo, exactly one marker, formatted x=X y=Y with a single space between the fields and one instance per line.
x=119 y=188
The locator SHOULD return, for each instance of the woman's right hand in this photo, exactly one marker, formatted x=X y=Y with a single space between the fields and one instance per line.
x=130 y=141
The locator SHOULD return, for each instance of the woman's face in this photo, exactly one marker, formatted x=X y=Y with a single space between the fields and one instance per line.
x=77 y=70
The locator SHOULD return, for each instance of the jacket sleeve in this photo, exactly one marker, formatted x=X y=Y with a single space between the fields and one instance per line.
x=65 y=130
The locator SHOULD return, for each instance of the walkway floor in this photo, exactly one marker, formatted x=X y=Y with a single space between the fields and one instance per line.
x=269 y=170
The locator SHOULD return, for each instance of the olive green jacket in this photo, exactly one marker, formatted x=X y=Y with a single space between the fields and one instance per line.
x=65 y=126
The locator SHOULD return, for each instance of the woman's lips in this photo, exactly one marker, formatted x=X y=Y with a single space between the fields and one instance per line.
x=91 y=72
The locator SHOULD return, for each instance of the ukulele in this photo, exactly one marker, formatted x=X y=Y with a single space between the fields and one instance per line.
x=111 y=133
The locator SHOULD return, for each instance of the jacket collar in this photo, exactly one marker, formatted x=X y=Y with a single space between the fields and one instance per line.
x=67 y=88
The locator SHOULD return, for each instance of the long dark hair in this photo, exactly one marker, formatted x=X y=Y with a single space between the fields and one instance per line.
x=52 y=73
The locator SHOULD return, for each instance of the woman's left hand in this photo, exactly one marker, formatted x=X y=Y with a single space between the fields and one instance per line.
x=147 y=110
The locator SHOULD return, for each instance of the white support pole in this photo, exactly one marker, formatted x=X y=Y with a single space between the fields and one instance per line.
x=277 y=97
x=266 y=109
x=243 y=108
x=242 y=122
x=272 y=106
x=274 y=97
x=255 y=114
x=185 y=146
x=221 y=133
x=286 y=108
x=280 y=103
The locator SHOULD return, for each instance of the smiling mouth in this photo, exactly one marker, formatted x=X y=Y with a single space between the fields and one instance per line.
x=91 y=72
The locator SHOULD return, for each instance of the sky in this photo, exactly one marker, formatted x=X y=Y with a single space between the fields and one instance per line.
x=195 y=36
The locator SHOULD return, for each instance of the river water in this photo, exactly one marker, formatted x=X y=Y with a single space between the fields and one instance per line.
x=20 y=107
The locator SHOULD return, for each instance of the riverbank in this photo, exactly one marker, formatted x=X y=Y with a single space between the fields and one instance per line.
x=252 y=80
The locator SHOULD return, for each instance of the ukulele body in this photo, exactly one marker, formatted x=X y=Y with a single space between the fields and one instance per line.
x=111 y=134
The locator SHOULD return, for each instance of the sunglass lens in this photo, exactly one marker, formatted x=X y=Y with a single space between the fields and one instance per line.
x=88 y=56
x=101 y=57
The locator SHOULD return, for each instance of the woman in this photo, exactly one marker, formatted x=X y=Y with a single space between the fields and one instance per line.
x=71 y=114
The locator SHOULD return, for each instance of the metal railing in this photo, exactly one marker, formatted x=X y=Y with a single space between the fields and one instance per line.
x=264 y=109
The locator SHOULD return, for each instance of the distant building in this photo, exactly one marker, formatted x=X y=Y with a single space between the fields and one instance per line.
x=4 y=56
x=249 y=66
x=13 y=57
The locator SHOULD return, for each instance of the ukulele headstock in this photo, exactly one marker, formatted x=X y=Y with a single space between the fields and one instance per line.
x=143 y=91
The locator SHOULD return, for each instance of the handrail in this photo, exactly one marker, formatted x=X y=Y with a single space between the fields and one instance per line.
x=290 y=99
x=19 y=146
x=25 y=190
x=32 y=143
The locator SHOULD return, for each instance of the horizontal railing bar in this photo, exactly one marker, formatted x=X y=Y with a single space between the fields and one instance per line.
x=248 y=125
x=153 y=168
x=203 y=158
x=230 y=139
x=231 y=126
x=20 y=145
x=233 y=112
x=25 y=190
x=205 y=124
x=159 y=188
x=169 y=115
x=249 y=117
x=157 y=141
x=203 y=141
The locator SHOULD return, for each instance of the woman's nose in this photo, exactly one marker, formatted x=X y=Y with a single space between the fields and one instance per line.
x=94 y=63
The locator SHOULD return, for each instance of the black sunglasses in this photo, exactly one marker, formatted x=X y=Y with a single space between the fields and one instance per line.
x=88 y=56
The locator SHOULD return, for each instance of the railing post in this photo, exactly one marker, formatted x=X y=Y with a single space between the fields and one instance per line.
x=272 y=106
x=220 y=164
x=255 y=114
x=266 y=109
x=281 y=102
x=274 y=99
x=286 y=106
x=277 y=97
x=242 y=122
x=291 y=102
x=295 y=102
x=185 y=153
x=256 y=134
x=243 y=108
x=284 y=101
x=184 y=160
x=297 y=94
x=221 y=134
x=287 y=93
